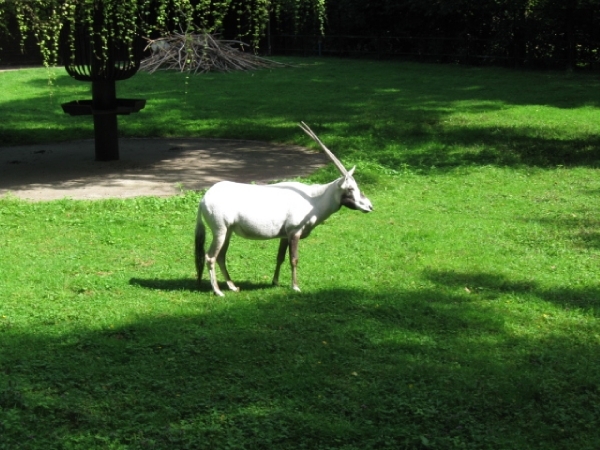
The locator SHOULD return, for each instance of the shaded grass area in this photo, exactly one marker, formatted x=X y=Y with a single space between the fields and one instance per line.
x=463 y=313
x=398 y=113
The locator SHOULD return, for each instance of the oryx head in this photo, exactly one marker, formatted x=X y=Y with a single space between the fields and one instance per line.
x=351 y=195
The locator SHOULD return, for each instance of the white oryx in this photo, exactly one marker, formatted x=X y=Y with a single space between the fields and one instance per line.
x=288 y=211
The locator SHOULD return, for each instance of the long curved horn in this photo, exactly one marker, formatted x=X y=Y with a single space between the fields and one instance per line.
x=336 y=161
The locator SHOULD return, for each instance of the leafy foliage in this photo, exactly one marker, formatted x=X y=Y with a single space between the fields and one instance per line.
x=109 y=21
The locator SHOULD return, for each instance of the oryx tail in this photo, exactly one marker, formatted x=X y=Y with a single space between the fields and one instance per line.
x=199 y=248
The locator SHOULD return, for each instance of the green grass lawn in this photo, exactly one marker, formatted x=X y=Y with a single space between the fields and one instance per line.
x=462 y=313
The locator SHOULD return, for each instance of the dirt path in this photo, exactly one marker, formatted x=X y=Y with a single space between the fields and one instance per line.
x=157 y=167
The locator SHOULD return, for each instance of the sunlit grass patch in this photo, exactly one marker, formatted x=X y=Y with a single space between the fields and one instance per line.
x=462 y=313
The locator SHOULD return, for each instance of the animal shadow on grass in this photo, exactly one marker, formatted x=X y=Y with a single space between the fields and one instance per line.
x=190 y=284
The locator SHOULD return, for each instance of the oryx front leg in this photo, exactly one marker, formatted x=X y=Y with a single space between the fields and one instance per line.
x=283 y=246
x=294 y=260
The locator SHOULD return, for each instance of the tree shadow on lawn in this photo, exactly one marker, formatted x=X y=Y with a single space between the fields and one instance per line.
x=502 y=146
x=336 y=368
x=584 y=231
x=491 y=286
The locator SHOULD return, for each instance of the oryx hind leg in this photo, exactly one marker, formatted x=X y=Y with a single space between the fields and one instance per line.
x=219 y=239
x=283 y=246
x=223 y=266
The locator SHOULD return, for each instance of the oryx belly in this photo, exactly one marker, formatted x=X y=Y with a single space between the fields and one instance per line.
x=257 y=212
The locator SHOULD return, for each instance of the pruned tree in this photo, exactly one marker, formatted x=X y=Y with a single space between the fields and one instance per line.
x=200 y=53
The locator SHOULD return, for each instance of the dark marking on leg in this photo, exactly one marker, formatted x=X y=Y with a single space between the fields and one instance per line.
x=283 y=246
x=294 y=260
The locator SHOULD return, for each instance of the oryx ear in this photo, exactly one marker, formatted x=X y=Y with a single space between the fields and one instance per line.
x=347 y=179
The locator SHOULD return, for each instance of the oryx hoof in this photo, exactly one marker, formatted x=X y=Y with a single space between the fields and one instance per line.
x=232 y=287
x=296 y=288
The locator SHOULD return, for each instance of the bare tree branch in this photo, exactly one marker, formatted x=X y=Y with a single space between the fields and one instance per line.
x=201 y=53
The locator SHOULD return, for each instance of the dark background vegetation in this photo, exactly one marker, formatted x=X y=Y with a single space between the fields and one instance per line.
x=557 y=34
x=547 y=34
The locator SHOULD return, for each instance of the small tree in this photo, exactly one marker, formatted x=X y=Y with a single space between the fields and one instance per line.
x=99 y=41
x=108 y=21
